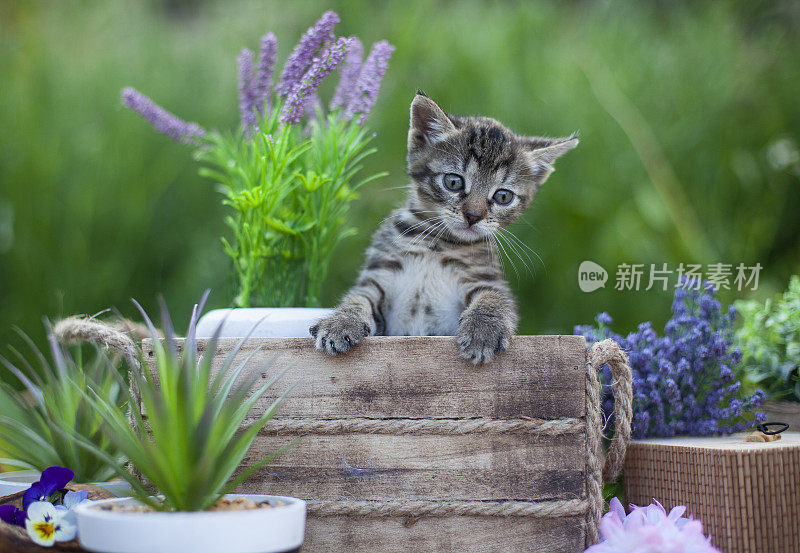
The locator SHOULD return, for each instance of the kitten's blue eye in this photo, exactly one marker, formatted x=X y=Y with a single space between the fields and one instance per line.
x=453 y=182
x=503 y=196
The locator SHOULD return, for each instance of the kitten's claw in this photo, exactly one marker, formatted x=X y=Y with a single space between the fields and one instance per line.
x=481 y=337
x=339 y=332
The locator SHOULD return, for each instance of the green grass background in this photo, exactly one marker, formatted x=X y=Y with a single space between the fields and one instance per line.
x=688 y=114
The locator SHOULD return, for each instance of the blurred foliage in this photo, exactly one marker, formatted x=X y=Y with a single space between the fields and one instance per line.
x=769 y=337
x=687 y=112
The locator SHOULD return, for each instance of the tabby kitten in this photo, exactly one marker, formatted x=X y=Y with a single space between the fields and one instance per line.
x=433 y=267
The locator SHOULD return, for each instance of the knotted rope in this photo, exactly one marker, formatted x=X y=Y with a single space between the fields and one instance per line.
x=599 y=468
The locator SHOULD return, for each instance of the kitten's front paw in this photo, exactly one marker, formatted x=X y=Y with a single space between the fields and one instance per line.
x=339 y=332
x=482 y=336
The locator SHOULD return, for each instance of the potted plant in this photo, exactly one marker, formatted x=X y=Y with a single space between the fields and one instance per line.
x=185 y=444
x=37 y=424
x=769 y=337
x=289 y=174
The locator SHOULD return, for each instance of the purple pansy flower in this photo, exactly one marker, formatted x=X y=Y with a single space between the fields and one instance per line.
x=51 y=483
x=10 y=514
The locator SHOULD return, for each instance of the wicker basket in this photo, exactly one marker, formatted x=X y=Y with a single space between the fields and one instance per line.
x=407 y=447
x=746 y=494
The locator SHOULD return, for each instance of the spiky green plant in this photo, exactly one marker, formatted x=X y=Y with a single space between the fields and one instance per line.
x=53 y=398
x=192 y=439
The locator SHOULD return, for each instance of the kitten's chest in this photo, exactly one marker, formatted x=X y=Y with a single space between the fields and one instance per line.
x=424 y=298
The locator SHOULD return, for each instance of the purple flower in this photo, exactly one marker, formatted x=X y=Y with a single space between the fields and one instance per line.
x=295 y=104
x=263 y=77
x=684 y=381
x=10 y=514
x=604 y=319
x=51 y=483
x=650 y=530
x=72 y=499
x=312 y=104
x=247 y=102
x=303 y=55
x=161 y=119
x=350 y=70
x=369 y=80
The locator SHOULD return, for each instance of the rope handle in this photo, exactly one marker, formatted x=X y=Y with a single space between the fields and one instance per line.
x=609 y=353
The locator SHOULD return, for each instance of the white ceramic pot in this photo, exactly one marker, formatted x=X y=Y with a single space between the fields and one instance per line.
x=277 y=530
x=275 y=322
x=21 y=480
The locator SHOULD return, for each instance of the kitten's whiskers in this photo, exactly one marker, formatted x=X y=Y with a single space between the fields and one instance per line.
x=527 y=247
x=505 y=253
x=519 y=252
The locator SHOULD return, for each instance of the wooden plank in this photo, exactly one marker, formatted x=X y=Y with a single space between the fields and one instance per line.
x=369 y=466
x=421 y=377
x=444 y=535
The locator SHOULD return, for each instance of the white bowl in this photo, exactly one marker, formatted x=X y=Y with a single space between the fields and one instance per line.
x=277 y=530
x=278 y=322
x=17 y=481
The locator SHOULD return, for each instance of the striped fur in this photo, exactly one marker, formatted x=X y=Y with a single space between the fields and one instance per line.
x=433 y=267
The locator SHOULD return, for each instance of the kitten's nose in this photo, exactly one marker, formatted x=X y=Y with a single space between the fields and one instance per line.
x=472 y=217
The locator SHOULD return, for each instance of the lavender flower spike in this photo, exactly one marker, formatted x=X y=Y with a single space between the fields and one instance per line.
x=303 y=54
x=263 y=78
x=247 y=104
x=349 y=75
x=294 y=106
x=161 y=119
x=369 y=81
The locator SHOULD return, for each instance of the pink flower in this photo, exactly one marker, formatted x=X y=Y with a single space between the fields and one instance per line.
x=650 y=530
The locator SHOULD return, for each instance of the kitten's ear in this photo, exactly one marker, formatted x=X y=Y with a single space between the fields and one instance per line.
x=548 y=149
x=429 y=124
x=542 y=152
